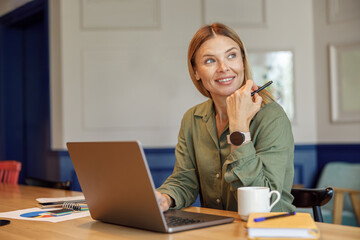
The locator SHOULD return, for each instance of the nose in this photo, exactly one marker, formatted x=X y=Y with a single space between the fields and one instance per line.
x=223 y=67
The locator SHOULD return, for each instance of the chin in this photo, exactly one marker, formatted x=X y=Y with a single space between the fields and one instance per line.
x=230 y=92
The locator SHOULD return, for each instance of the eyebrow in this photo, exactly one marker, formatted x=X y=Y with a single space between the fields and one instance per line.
x=229 y=50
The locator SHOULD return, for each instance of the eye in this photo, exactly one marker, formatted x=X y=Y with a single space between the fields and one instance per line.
x=233 y=55
x=210 y=60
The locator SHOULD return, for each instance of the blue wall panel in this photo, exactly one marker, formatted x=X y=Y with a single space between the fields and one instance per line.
x=24 y=81
x=161 y=163
x=11 y=94
x=338 y=153
x=305 y=165
x=308 y=162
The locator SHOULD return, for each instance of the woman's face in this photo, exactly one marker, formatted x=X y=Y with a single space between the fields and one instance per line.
x=219 y=65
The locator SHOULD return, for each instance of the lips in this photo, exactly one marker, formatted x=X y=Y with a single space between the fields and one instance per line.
x=225 y=79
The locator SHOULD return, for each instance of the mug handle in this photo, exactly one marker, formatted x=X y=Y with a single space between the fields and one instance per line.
x=277 y=199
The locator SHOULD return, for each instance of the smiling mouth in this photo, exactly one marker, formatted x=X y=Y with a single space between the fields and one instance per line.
x=225 y=79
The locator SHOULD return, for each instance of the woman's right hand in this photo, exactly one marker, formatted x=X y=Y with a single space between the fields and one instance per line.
x=164 y=200
x=241 y=107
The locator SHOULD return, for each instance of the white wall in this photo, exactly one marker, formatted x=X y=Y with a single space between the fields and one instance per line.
x=121 y=74
x=335 y=22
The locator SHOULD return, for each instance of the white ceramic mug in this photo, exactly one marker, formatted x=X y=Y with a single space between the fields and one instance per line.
x=255 y=199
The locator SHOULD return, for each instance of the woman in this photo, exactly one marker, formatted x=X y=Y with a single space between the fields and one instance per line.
x=232 y=139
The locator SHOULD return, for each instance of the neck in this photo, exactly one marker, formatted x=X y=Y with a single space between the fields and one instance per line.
x=220 y=109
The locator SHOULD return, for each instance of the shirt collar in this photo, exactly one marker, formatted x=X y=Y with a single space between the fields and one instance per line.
x=205 y=110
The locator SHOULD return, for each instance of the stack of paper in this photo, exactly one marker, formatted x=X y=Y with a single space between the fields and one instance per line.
x=300 y=225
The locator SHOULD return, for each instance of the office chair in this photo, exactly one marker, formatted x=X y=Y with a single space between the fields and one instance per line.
x=9 y=171
x=47 y=183
x=312 y=198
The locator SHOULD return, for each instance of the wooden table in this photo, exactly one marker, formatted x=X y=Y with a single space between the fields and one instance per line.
x=13 y=197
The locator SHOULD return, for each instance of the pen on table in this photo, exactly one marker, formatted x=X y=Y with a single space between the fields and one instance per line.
x=50 y=206
x=59 y=203
x=261 y=88
x=260 y=219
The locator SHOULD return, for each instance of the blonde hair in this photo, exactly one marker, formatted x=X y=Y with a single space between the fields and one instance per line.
x=205 y=33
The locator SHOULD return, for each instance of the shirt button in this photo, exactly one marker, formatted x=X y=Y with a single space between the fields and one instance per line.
x=217 y=175
x=218 y=200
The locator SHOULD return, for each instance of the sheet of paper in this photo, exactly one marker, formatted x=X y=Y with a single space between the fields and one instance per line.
x=45 y=200
x=38 y=214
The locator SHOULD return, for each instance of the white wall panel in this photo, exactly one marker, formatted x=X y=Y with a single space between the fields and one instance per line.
x=238 y=13
x=328 y=34
x=118 y=95
x=110 y=14
x=340 y=11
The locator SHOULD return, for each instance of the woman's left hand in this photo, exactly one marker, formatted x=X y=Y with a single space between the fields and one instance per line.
x=242 y=107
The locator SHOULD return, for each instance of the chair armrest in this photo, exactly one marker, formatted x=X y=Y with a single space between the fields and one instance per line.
x=298 y=186
x=339 y=202
x=310 y=197
x=347 y=190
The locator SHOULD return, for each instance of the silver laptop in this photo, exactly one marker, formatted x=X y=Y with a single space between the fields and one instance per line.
x=118 y=188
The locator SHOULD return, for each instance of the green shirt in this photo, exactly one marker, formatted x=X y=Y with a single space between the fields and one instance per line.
x=205 y=166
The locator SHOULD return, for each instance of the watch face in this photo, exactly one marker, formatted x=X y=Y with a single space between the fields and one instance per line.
x=237 y=138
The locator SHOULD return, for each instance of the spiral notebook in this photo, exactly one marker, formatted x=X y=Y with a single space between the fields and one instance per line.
x=118 y=188
x=75 y=206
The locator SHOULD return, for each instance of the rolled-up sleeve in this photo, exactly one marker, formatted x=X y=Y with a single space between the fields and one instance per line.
x=182 y=185
x=266 y=161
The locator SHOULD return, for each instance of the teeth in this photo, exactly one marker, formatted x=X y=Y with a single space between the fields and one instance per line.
x=225 y=80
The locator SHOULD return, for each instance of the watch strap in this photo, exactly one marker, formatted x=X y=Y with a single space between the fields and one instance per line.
x=247 y=138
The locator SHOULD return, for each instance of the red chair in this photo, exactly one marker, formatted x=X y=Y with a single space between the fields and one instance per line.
x=9 y=171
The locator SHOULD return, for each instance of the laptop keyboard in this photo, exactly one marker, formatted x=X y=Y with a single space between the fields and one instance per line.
x=173 y=221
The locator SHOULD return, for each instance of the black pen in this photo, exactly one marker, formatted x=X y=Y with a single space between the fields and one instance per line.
x=261 y=88
x=260 y=219
x=59 y=203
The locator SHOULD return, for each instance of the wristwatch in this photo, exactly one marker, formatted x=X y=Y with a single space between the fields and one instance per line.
x=237 y=138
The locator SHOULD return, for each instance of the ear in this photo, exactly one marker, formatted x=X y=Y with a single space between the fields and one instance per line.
x=196 y=75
